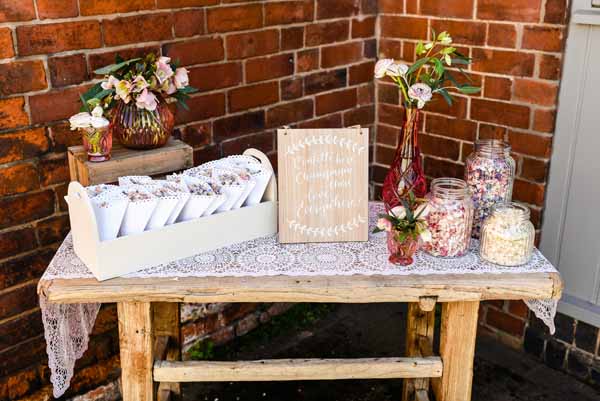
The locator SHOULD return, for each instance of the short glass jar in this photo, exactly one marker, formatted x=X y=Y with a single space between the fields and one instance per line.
x=507 y=235
x=449 y=216
x=490 y=173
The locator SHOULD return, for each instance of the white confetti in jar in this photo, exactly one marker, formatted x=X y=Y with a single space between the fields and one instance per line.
x=449 y=216
x=489 y=172
x=507 y=235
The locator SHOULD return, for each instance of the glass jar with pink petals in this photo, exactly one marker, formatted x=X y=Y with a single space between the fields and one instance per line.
x=449 y=218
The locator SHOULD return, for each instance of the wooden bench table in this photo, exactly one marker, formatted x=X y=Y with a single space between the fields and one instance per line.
x=148 y=313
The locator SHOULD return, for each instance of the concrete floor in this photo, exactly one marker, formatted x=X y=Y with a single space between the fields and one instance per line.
x=376 y=330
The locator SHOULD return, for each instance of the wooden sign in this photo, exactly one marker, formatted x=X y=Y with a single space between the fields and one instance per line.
x=323 y=184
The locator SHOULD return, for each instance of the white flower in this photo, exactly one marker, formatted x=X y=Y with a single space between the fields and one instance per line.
x=146 y=100
x=381 y=67
x=422 y=210
x=397 y=70
x=139 y=84
x=421 y=93
x=399 y=212
x=80 y=120
x=99 y=122
x=123 y=89
x=426 y=235
x=97 y=112
x=181 y=78
x=109 y=83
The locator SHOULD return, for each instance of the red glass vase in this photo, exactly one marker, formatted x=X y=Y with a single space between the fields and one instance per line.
x=137 y=128
x=402 y=250
x=406 y=172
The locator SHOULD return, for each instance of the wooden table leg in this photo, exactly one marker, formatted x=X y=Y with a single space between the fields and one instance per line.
x=457 y=349
x=420 y=326
x=167 y=323
x=136 y=346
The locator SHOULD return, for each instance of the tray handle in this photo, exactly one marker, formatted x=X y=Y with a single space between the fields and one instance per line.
x=271 y=191
x=83 y=220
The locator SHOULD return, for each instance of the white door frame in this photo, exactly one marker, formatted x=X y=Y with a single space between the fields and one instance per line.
x=584 y=17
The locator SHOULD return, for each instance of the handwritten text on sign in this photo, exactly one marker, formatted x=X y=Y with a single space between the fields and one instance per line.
x=323 y=185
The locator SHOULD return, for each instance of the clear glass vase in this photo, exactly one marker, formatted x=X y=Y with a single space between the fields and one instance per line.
x=97 y=142
x=137 y=128
x=402 y=248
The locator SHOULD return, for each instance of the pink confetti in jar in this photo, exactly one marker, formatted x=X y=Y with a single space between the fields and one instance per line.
x=490 y=173
x=449 y=215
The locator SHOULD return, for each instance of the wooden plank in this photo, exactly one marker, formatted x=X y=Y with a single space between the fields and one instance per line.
x=427 y=303
x=166 y=319
x=164 y=394
x=421 y=395
x=136 y=345
x=457 y=349
x=160 y=347
x=342 y=289
x=324 y=180
x=297 y=369
x=419 y=328
x=174 y=156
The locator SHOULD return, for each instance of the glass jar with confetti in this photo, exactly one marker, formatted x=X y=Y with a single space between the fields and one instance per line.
x=489 y=173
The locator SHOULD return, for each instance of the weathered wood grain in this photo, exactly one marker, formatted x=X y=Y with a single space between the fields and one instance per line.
x=457 y=349
x=297 y=369
x=342 y=289
x=136 y=343
x=174 y=156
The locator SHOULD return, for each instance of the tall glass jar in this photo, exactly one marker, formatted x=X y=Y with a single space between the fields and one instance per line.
x=507 y=235
x=449 y=215
x=490 y=173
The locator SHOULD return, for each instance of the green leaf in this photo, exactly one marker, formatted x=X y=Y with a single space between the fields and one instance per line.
x=446 y=96
x=109 y=69
x=417 y=64
x=92 y=92
x=420 y=49
x=84 y=106
x=469 y=89
x=438 y=66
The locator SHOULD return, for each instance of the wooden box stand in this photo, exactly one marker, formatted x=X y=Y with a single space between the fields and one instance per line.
x=174 y=156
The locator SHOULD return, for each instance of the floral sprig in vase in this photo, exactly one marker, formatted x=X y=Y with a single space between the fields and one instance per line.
x=135 y=92
x=97 y=140
x=429 y=75
x=406 y=228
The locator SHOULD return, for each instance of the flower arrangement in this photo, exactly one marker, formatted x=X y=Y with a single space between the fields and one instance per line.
x=427 y=76
x=134 y=93
x=143 y=81
x=406 y=228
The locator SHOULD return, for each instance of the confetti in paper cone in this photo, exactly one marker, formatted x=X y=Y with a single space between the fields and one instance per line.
x=141 y=206
x=262 y=181
x=134 y=180
x=95 y=190
x=216 y=203
x=109 y=209
x=202 y=195
x=168 y=199
x=179 y=186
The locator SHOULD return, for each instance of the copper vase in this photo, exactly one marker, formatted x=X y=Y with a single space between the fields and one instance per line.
x=137 y=128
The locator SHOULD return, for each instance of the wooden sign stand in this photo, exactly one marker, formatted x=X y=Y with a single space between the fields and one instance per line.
x=323 y=181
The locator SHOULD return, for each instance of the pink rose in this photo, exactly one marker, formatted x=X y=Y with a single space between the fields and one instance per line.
x=381 y=68
x=146 y=100
x=181 y=78
x=163 y=69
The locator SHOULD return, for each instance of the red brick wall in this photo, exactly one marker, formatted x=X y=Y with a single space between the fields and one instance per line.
x=258 y=65
x=517 y=49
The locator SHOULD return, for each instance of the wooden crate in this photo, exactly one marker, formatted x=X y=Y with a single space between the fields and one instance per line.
x=174 y=156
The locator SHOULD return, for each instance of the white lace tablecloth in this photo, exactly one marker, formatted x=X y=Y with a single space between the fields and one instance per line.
x=67 y=326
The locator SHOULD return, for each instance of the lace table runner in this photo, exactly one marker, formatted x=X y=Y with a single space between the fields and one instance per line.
x=67 y=327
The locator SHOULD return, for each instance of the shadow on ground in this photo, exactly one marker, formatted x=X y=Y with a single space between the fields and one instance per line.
x=373 y=330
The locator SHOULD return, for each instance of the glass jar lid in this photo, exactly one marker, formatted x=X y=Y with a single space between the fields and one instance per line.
x=512 y=210
x=450 y=188
x=492 y=147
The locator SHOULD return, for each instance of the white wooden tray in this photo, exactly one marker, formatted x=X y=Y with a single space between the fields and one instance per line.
x=123 y=255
